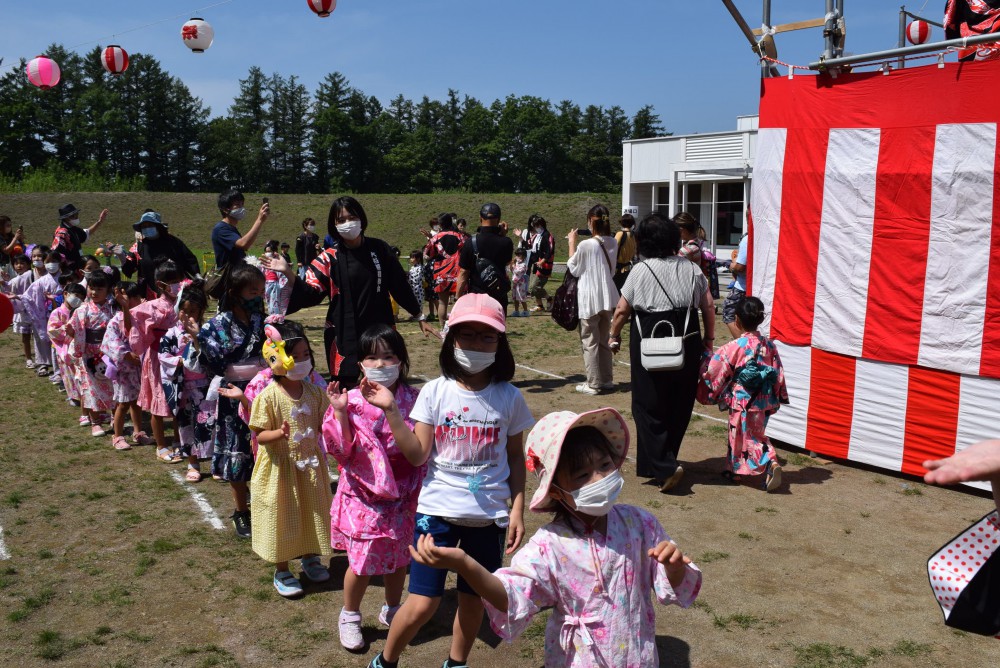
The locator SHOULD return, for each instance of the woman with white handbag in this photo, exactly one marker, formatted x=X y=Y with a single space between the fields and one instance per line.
x=660 y=298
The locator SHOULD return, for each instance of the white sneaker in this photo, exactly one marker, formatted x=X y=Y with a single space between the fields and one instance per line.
x=583 y=388
x=349 y=627
x=387 y=613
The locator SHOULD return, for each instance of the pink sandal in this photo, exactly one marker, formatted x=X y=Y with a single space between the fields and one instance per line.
x=120 y=443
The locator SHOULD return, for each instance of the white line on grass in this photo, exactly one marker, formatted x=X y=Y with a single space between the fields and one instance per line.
x=544 y=373
x=199 y=499
x=4 y=553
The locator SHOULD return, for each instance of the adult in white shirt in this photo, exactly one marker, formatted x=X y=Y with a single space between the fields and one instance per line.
x=592 y=261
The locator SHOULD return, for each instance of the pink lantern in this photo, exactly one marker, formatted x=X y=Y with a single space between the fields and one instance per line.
x=197 y=35
x=917 y=32
x=323 y=8
x=115 y=59
x=43 y=72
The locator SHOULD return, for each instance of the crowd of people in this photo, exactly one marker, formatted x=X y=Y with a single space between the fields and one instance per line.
x=430 y=480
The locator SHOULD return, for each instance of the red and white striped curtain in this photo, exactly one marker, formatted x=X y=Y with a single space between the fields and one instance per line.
x=876 y=246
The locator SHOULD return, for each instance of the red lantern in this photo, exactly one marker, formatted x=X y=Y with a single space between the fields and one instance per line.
x=6 y=312
x=115 y=59
x=43 y=72
x=918 y=32
x=323 y=8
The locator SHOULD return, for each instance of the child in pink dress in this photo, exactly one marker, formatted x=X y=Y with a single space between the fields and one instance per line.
x=119 y=356
x=596 y=563
x=374 y=511
x=746 y=376
x=73 y=296
x=150 y=321
x=87 y=327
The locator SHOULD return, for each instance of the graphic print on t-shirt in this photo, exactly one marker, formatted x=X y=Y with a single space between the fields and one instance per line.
x=465 y=443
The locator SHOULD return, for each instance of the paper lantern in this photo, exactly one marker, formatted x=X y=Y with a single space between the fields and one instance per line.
x=115 y=59
x=323 y=8
x=918 y=32
x=197 y=35
x=43 y=72
x=6 y=312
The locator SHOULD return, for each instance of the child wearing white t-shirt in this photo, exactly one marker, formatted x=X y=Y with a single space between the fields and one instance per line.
x=468 y=428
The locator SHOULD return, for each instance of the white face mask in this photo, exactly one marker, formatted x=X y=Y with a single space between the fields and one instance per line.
x=300 y=370
x=73 y=301
x=237 y=214
x=51 y=267
x=75 y=222
x=310 y=228
x=384 y=376
x=473 y=361
x=597 y=498
x=350 y=230
x=38 y=263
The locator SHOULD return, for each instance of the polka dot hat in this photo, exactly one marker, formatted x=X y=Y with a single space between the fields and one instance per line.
x=545 y=443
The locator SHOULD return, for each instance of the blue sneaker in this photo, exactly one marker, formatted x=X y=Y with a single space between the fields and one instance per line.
x=287 y=584
x=314 y=570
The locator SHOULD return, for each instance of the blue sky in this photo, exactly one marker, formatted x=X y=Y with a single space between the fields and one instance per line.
x=685 y=57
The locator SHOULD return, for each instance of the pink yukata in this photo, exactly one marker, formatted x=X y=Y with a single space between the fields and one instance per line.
x=599 y=586
x=374 y=512
x=89 y=323
x=150 y=321
x=68 y=368
x=749 y=449
x=125 y=386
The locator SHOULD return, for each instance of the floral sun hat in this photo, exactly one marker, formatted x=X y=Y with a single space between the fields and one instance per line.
x=545 y=443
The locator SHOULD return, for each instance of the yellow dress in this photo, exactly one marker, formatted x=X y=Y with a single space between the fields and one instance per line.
x=290 y=486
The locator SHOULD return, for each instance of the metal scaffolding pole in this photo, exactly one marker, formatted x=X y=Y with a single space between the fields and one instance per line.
x=890 y=54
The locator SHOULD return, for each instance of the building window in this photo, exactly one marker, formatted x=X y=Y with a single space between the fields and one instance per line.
x=729 y=214
x=662 y=204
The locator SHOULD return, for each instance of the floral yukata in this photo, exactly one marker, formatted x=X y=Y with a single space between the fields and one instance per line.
x=185 y=386
x=150 y=321
x=600 y=588
x=374 y=511
x=89 y=324
x=749 y=450
x=115 y=346
x=68 y=368
x=226 y=341
x=291 y=483
x=36 y=303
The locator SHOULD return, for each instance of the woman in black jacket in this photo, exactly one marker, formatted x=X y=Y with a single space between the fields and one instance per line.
x=157 y=244
x=306 y=246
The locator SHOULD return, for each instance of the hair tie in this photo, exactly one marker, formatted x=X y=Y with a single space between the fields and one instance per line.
x=107 y=270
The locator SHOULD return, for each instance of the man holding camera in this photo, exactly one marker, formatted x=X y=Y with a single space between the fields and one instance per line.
x=482 y=265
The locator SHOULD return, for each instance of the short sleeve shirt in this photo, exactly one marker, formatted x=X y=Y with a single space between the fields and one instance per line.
x=224 y=238
x=467 y=473
x=681 y=284
x=741 y=258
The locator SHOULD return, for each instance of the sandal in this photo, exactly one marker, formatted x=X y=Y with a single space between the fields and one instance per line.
x=43 y=371
x=193 y=475
x=120 y=443
x=141 y=438
x=165 y=455
x=29 y=364
x=773 y=478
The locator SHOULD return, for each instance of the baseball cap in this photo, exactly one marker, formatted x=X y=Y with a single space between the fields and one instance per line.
x=478 y=308
x=545 y=443
x=489 y=211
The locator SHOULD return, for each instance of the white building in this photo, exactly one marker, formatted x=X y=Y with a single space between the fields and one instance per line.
x=708 y=175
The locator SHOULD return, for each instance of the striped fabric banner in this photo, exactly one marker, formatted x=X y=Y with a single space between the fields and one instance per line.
x=876 y=247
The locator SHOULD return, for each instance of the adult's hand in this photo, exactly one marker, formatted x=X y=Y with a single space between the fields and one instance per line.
x=977 y=462
x=428 y=329
x=278 y=264
x=102 y=216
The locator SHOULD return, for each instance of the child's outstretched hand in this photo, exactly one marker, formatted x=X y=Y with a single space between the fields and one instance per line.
x=286 y=431
x=429 y=554
x=977 y=462
x=377 y=395
x=230 y=391
x=668 y=554
x=338 y=397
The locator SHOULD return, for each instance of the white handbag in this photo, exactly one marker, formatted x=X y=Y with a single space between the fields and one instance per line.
x=665 y=353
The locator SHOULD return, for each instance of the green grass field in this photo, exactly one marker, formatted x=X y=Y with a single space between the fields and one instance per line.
x=395 y=218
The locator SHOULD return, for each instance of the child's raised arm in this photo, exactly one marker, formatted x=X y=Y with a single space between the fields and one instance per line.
x=484 y=583
x=416 y=444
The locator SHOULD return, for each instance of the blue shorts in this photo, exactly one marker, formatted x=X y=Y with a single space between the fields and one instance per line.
x=484 y=544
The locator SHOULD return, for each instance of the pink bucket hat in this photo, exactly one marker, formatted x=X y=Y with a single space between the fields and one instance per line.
x=478 y=308
x=545 y=443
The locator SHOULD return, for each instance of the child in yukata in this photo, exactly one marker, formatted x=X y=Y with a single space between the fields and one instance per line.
x=746 y=376
x=519 y=283
x=126 y=365
x=596 y=563
x=73 y=296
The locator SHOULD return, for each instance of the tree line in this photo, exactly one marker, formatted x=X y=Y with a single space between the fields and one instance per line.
x=145 y=129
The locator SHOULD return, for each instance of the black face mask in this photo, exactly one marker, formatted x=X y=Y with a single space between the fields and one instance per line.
x=253 y=305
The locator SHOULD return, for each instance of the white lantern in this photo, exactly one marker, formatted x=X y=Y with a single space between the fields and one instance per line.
x=197 y=35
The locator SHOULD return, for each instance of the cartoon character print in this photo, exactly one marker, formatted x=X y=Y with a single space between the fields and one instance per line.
x=466 y=444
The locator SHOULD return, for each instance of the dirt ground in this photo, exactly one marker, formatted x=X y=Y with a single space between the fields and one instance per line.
x=111 y=563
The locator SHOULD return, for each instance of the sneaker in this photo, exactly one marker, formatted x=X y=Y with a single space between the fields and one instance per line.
x=29 y=364
x=608 y=387
x=446 y=664
x=120 y=443
x=772 y=480
x=287 y=584
x=55 y=378
x=583 y=388
x=349 y=627
x=377 y=662
x=97 y=431
x=84 y=421
x=387 y=613
x=314 y=569
x=672 y=481
x=241 y=522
